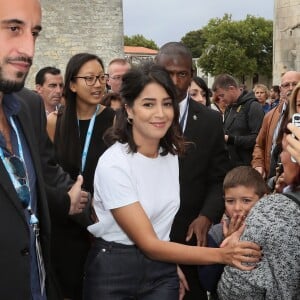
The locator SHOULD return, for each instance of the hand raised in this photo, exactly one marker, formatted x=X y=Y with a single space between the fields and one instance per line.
x=234 y=224
x=78 y=198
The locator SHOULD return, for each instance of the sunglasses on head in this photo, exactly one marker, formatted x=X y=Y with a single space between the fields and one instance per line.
x=19 y=172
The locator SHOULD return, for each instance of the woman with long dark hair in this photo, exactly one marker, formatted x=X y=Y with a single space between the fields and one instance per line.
x=199 y=91
x=77 y=132
x=137 y=196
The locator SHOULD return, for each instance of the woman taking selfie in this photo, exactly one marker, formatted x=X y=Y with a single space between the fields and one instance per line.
x=137 y=196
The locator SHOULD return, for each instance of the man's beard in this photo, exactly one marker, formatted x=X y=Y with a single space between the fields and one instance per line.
x=9 y=86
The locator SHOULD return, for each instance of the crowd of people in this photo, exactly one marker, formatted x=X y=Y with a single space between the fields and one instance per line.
x=140 y=182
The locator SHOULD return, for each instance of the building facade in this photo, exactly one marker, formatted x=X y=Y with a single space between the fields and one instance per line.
x=73 y=26
x=137 y=55
x=286 y=37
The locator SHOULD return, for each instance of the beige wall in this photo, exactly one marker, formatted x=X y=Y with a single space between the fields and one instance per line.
x=73 y=26
x=286 y=44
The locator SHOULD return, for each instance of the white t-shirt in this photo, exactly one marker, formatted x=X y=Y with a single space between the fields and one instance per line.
x=122 y=178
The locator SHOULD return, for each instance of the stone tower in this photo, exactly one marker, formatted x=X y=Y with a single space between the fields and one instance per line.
x=286 y=44
x=73 y=26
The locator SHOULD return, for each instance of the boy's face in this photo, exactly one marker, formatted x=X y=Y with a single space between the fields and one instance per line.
x=239 y=200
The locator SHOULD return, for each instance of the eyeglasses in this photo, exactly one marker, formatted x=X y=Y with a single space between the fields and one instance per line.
x=288 y=84
x=117 y=77
x=19 y=172
x=91 y=80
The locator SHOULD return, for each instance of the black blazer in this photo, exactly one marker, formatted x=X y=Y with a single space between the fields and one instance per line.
x=14 y=232
x=201 y=169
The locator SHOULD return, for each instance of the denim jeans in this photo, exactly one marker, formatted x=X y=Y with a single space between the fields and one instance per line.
x=121 y=272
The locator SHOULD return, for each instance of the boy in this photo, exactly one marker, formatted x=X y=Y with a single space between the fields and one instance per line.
x=243 y=186
x=273 y=223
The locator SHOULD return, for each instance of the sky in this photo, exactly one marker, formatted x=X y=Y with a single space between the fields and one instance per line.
x=169 y=20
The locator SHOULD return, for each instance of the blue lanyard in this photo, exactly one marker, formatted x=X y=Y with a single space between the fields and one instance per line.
x=88 y=138
x=33 y=218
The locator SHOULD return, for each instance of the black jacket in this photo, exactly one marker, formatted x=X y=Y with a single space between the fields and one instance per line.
x=242 y=123
x=14 y=233
x=201 y=170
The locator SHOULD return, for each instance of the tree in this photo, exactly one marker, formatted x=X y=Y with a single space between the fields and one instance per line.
x=139 y=40
x=194 y=41
x=237 y=47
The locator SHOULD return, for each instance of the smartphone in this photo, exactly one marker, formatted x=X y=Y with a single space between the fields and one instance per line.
x=296 y=122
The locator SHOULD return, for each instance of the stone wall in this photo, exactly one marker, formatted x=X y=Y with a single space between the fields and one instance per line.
x=286 y=44
x=73 y=26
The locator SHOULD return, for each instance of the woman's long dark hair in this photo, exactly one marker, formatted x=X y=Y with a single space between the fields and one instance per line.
x=134 y=82
x=66 y=140
x=202 y=84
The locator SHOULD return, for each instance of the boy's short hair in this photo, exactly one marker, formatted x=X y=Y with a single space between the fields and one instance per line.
x=248 y=177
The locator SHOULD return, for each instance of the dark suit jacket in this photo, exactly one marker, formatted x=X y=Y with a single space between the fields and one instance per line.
x=201 y=170
x=14 y=232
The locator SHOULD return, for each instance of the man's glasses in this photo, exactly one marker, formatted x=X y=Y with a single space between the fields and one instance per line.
x=91 y=79
x=19 y=172
x=117 y=77
x=288 y=84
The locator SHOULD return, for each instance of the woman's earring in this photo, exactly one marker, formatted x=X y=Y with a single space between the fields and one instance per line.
x=129 y=121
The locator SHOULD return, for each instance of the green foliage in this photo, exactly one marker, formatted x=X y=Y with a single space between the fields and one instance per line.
x=237 y=47
x=194 y=41
x=139 y=40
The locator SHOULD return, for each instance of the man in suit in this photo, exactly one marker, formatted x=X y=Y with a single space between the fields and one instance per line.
x=49 y=84
x=203 y=167
x=26 y=165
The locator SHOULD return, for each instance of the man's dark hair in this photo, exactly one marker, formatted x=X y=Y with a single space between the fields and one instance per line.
x=224 y=81
x=174 y=49
x=245 y=176
x=109 y=97
x=40 y=76
x=276 y=89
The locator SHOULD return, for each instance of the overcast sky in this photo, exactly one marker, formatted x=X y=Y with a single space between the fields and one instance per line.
x=169 y=20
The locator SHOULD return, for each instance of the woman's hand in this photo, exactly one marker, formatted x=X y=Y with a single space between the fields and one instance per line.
x=280 y=184
x=242 y=255
x=183 y=284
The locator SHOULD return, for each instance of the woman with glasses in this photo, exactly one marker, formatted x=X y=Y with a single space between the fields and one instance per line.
x=77 y=132
x=137 y=196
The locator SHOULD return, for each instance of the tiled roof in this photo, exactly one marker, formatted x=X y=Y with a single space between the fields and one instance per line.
x=139 y=50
